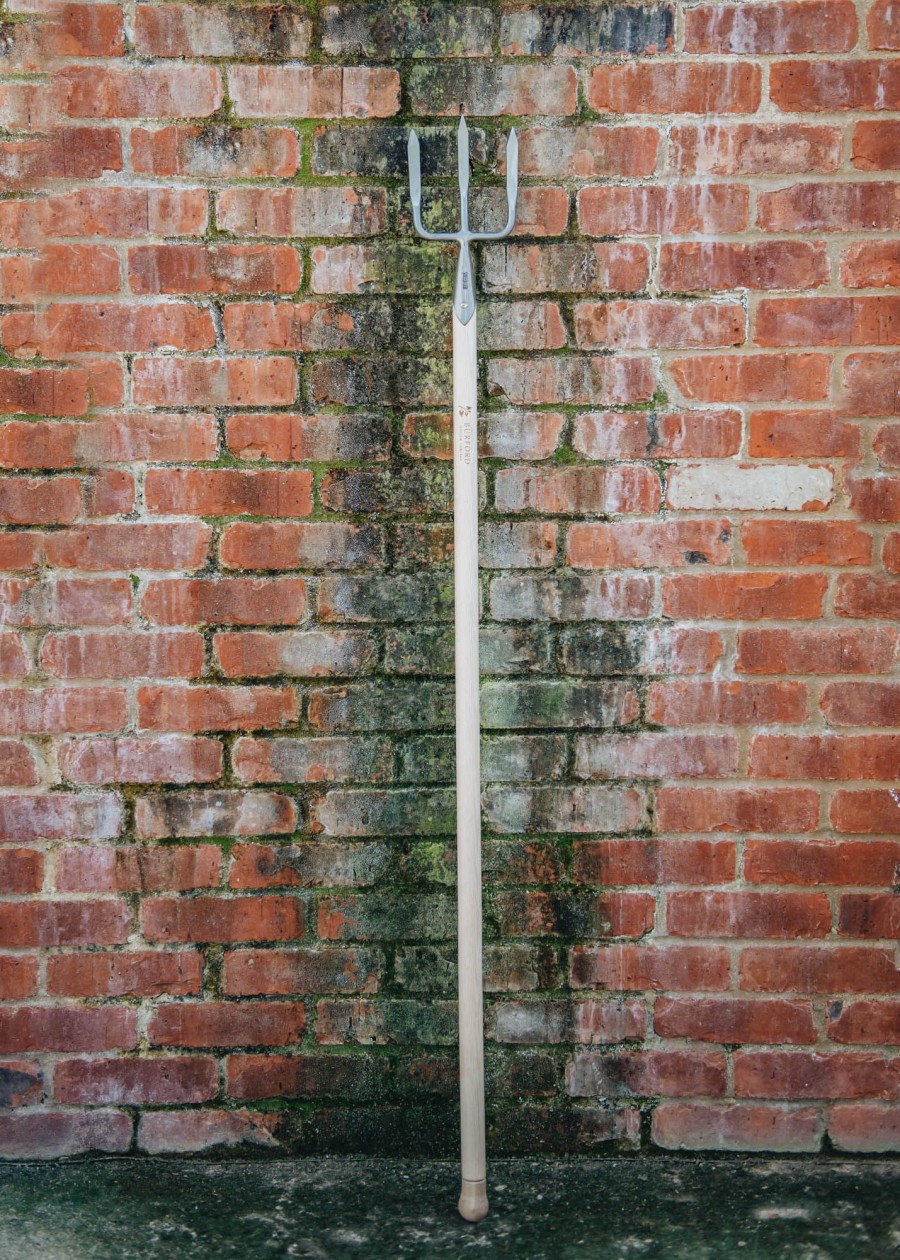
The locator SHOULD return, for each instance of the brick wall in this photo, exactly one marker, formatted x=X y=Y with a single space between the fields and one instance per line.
x=226 y=810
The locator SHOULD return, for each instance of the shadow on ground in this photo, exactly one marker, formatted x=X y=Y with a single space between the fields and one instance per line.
x=316 y=1209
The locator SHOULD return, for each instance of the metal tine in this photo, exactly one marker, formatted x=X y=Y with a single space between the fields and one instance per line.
x=462 y=162
x=512 y=191
x=415 y=192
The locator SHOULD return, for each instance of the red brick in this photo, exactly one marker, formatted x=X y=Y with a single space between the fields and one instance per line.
x=875 y=498
x=44 y=392
x=122 y=654
x=66 y=153
x=826 y=969
x=137 y=868
x=868 y=1021
x=170 y=382
x=65 y=601
x=104 y=211
x=648 y=544
x=825 y=756
x=23 y=1083
x=874 y=264
x=88 y=30
x=225 y=601
x=754 y=148
x=724 y=265
x=867 y=596
x=168 y=759
x=60 y=710
x=886 y=445
x=868 y=1128
x=881 y=24
x=18 y=977
x=657 y=324
x=217 y=152
x=820 y=862
x=582 y=379
x=227 y=269
x=148 y=91
x=808 y=26
x=736 y=1127
x=662 y=435
x=313 y=211
x=890 y=553
x=187 y=1132
x=735 y=1019
x=41 y=924
x=845 y=207
x=748 y=914
x=753 y=378
x=14 y=656
x=652 y=862
x=839 y=321
x=662 y=209
x=67 y=1028
x=76 y=269
x=59 y=1134
x=227 y=1023
x=61 y=329
x=876 y=145
x=862 y=704
x=802 y=1074
x=675 y=88
x=866 y=813
x=801 y=434
x=133 y=1082
x=576 y=490
x=143 y=973
x=130 y=545
x=214 y=708
x=18 y=766
x=695 y=968
x=848 y=84
x=60 y=816
x=870 y=915
x=249 y=972
x=314 y=91
x=646 y=1073
x=109 y=440
x=216 y=812
x=736 y=809
x=21 y=871
x=39 y=500
x=697 y=703
x=536 y=914
x=309 y=653
x=744 y=596
x=222 y=919
x=229 y=492
x=789 y=543
x=584 y=152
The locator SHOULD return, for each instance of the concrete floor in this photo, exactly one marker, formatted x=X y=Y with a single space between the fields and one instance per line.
x=316 y=1209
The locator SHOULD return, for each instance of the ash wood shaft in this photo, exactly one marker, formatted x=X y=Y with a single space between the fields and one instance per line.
x=473 y=1204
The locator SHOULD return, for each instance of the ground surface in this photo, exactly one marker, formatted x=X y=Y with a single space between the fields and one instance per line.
x=654 y=1209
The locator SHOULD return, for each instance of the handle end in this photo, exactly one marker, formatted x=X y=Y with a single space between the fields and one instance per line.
x=473 y=1200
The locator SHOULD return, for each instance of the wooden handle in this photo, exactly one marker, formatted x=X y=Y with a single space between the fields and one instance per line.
x=473 y=1204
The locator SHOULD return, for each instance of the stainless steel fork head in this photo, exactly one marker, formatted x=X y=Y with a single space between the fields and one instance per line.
x=464 y=292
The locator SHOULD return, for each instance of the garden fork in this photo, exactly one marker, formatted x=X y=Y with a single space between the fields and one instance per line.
x=473 y=1203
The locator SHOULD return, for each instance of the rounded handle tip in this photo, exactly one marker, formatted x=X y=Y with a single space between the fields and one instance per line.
x=473 y=1200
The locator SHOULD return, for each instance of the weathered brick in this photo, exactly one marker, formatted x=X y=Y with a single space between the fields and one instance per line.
x=808 y=26
x=657 y=324
x=581 y=268
x=216 y=268
x=675 y=88
x=137 y=868
x=490 y=90
x=155 y=91
x=816 y=85
x=628 y=966
x=868 y=1128
x=710 y=265
x=215 y=152
x=124 y=974
x=697 y=703
x=737 y=1127
x=160 y=1081
x=587 y=151
x=167 y=759
x=571 y=597
x=575 y=31
x=648 y=545
x=214 y=812
x=186 y=1132
x=754 y=148
x=511 y=810
x=661 y=435
x=663 y=209
x=171 y=382
x=292 y=971
x=753 y=377
x=266 y=32
x=576 y=490
x=655 y=756
x=60 y=1134
x=274 y=91
x=870 y=263
x=464 y=30
x=301 y=654
x=214 y=708
x=657 y=1073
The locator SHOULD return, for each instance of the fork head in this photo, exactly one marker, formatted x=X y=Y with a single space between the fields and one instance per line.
x=464 y=235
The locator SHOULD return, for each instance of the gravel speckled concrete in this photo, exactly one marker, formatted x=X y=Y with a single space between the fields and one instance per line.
x=316 y=1209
